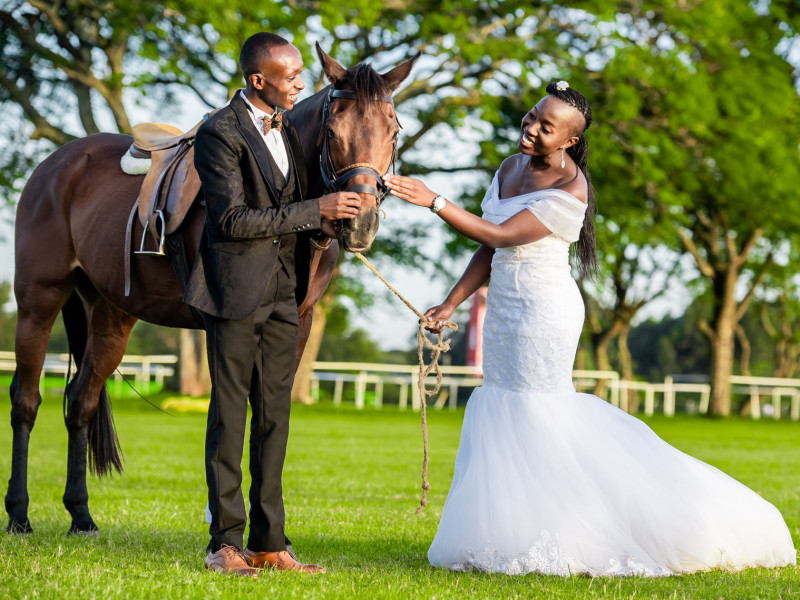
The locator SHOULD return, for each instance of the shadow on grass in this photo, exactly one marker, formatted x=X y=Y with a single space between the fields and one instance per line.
x=150 y=545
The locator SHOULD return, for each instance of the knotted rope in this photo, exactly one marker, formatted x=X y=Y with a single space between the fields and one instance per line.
x=436 y=349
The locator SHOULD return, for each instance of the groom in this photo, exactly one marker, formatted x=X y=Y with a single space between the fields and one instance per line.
x=251 y=273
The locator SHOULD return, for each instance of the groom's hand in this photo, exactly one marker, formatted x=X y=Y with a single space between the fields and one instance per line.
x=329 y=228
x=339 y=205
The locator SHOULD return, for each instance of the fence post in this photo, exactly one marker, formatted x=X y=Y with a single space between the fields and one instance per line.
x=361 y=389
x=755 y=403
x=705 y=398
x=669 y=397
x=415 y=400
x=649 y=401
x=452 y=401
x=337 y=391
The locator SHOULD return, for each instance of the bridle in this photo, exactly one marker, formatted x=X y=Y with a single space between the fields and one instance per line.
x=335 y=180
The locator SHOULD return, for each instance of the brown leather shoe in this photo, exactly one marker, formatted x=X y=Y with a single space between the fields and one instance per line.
x=284 y=560
x=230 y=560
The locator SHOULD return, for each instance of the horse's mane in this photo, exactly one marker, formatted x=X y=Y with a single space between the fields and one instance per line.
x=367 y=83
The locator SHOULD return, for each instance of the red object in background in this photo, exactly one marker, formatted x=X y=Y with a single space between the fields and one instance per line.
x=475 y=330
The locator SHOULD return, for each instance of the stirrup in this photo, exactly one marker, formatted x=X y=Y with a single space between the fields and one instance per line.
x=160 y=251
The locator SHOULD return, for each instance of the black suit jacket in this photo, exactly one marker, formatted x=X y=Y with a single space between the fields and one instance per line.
x=244 y=217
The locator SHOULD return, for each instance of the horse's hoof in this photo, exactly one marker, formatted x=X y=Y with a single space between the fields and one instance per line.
x=15 y=526
x=89 y=530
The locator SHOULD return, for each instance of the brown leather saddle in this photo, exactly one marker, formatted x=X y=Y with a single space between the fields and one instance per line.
x=169 y=189
x=171 y=185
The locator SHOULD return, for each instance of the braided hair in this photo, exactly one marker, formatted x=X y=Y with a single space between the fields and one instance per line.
x=579 y=152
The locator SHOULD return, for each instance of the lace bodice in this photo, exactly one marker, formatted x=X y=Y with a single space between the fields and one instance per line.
x=534 y=311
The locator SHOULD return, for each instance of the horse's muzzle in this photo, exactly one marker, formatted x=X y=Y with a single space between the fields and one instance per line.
x=359 y=233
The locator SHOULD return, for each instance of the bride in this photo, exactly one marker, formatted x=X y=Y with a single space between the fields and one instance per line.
x=546 y=479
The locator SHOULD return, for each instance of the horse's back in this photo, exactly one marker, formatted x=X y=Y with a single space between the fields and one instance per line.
x=91 y=160
x=73 y=187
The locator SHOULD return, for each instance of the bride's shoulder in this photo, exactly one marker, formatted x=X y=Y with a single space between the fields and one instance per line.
x=578 y=188
x=508 y=165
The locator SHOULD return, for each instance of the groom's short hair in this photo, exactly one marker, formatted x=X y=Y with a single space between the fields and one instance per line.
x=255 y=49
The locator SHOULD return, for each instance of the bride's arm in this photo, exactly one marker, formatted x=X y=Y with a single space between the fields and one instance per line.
x=475 y=275
x=522 y=228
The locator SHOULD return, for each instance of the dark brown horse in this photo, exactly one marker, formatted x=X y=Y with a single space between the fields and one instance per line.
x=70 y=227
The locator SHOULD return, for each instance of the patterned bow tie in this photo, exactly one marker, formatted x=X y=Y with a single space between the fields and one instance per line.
x=276 y=122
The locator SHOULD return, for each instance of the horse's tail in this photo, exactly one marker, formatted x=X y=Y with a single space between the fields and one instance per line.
x=104 y=449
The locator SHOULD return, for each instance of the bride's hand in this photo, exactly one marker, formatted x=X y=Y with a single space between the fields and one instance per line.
x=438 y=317
x=410 y=189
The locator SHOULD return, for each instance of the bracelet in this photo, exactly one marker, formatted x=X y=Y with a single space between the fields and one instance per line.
x=319 y=246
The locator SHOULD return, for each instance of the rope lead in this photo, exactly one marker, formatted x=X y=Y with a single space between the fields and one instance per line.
x=436 y=349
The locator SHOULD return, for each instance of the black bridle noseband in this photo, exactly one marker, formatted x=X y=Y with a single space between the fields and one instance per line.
x=335 y=180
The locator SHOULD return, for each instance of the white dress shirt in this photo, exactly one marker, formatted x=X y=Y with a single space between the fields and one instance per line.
x=272 y=139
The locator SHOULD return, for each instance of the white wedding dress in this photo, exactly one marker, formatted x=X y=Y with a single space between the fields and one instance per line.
x=553 y=481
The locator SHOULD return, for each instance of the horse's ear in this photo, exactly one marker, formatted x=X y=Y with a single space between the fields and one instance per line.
x=396 y=76
x=332 y=69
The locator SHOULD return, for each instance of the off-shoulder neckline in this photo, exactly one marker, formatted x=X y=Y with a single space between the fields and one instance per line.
x=496 y=195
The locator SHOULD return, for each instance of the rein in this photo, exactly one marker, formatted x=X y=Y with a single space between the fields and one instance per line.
x=334 y=179
x=436 y=349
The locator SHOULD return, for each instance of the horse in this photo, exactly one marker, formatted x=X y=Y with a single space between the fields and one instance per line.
x=71 y=219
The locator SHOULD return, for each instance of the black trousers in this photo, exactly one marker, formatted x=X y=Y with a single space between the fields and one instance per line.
x=251 y=358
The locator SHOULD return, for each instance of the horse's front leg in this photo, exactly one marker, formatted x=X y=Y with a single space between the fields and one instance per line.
x=89 y=412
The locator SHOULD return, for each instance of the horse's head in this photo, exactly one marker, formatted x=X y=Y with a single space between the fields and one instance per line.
x=358 y=140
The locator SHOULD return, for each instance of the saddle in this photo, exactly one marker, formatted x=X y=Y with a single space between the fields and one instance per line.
x=171 y=185
x=169 y=189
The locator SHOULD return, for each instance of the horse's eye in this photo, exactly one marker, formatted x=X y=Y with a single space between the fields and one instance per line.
x=331 y=133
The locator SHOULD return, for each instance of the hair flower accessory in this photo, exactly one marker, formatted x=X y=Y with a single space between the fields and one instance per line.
x=562 y=85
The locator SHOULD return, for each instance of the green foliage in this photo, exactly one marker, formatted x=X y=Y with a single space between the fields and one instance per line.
x=342 y=342
x=671 y=346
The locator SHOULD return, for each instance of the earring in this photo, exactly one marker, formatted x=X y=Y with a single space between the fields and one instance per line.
x=563 y=164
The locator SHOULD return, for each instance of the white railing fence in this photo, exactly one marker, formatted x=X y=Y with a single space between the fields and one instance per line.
x=143 y=369
x=364 y=375
x=156 y=368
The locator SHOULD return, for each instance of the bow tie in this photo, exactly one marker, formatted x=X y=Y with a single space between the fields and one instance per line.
x=273 y=123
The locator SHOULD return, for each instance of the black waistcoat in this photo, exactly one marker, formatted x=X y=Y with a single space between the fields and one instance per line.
x=286 y=188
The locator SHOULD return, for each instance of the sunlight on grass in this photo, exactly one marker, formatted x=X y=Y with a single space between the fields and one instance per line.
x=351 y=486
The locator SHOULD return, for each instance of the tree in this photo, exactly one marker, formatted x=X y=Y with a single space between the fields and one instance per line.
x=701 y=145
x=609 y=317
x=75 y=58
x=78 y=57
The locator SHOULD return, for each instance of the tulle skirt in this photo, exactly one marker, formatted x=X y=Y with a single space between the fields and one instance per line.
x=566 y=483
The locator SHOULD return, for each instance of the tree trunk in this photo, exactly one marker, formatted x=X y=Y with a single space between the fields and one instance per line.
x=744 y=361
x=723 y=268
x=195 y=378
x=626 y=362
x=601 y=354
x=722 y=363
x=301 y=390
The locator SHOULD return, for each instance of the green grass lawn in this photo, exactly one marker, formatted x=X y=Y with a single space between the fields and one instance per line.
x=351 y=486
